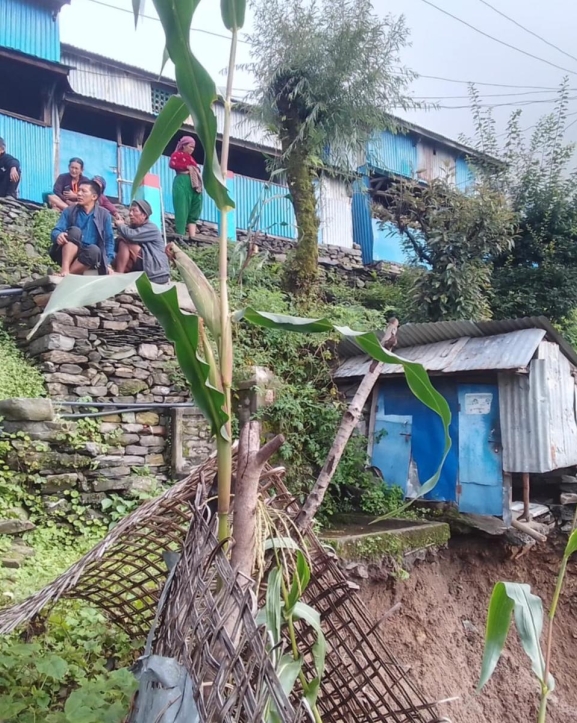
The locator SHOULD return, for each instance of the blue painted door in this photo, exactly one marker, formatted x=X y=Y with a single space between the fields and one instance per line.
x=392 y=448
x=99 y=155
x=480 y=465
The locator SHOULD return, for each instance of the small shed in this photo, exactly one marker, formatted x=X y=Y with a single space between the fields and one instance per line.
x=511 y=389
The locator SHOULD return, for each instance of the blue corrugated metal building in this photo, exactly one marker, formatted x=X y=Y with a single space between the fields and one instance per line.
x=81 y=104
x=510 y=388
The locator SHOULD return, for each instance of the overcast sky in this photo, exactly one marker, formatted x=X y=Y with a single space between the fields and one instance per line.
x=441 y=46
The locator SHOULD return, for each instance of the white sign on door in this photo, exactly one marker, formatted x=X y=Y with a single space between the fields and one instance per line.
x=478 y=403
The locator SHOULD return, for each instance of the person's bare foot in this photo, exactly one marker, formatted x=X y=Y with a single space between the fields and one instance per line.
x=62 y=272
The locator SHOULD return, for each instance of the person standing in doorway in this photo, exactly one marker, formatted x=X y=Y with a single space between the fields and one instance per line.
x=186 y=188
x=9 y=172
x=65 y=191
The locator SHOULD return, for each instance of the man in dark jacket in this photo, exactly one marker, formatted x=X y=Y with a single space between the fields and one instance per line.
x=9 y=172
x=140 y=245
x=83 y=238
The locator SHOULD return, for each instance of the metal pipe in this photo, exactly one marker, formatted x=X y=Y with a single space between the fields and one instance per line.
x=130 y=405
x=11 y=292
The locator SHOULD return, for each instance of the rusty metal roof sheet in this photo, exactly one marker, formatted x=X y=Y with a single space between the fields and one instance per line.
x=512 y=350
x=418 y=334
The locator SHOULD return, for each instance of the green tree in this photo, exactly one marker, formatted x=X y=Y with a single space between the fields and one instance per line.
x=450 y=236
x=327 y=75
x=538 y=274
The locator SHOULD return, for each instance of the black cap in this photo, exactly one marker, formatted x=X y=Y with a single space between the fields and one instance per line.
x=145 y=207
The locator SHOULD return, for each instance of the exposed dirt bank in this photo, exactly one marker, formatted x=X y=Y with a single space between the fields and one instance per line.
x=440 y=627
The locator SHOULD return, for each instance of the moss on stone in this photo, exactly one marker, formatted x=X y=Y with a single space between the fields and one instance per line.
x=374 y=546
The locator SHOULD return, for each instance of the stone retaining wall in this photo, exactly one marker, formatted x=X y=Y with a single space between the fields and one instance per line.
x=113 y=352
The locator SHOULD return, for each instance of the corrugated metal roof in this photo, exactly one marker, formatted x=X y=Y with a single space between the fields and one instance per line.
x=502 y=351
x=418 y=334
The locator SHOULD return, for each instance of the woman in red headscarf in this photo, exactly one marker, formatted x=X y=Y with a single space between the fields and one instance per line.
x=187 y=187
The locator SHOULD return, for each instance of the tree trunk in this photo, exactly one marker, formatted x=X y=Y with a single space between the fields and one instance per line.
x=301 y=269
x=250 y=462
x=348 y=424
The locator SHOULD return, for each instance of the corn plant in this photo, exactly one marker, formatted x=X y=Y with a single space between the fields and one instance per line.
x=513 y=598
x=208 y=372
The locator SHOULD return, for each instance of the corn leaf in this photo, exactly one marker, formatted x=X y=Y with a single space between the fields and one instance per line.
x=183 y=330
x=417 y=378
x=300 y=581
x=301 y=611
x=197 y=90
x=168 y=122
x=138 y=10
x=74 y=291
x=233 y=12
x=571 y=546
x=508 y=598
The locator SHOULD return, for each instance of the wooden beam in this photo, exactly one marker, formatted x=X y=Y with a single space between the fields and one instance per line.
x=526 y=497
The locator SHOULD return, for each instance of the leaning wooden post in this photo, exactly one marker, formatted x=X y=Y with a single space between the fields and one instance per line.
x=526 y=497
x=349 y=422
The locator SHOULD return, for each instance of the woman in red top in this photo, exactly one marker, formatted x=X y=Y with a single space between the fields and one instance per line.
x=186 y=188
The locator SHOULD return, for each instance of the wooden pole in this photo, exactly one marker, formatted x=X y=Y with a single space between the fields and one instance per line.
x=526 y=497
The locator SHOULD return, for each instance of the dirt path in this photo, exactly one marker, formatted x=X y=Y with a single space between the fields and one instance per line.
x=439 y=631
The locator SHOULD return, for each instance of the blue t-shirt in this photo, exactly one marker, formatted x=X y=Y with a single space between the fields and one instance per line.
x=85 y=222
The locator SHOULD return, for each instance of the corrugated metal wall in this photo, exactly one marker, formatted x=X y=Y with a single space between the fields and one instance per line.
x=29 y=27
x=434 y=162
x=277 y=213
x=277 y=216
x=100 y=157
x=396 y=153
x=104 y=82
x=335 y=213
x=539 y=430
x=464 y=175
x=33 y=145
x=362 y=221
x=387 y=244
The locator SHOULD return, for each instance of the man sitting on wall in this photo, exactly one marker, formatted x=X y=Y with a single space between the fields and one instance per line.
x=9 y=172
x=65 y=191
x=83 y=238
x=140 y=245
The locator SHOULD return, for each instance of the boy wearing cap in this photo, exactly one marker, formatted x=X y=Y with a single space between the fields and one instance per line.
x=140 y=245
x=83 y=238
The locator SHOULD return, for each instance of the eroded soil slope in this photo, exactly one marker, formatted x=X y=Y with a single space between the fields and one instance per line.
x=439 y=630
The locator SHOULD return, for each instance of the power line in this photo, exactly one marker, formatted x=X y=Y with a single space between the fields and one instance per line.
x=478 y=82
x=497 y=40
x=157 y=20
x=520 y=103
x=527 y=30
x=484 y=95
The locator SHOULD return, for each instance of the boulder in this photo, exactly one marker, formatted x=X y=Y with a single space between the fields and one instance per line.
x=15 y=527
x=28 y=410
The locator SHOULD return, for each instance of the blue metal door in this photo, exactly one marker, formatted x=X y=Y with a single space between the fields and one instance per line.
x=480 y=488
x=392 y=448
x=99 y=155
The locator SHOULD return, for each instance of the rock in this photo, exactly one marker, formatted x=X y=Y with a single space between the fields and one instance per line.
x=114 y=472
x=132 y=428
x=34 y=410
x=70 y=369
x=111 y=418
x=161 y=391
x=134 y=449
x=72 y=379
x=17 y=555
x=152 y=441
x=127 y=439
x=64 y=357
x=147 y=418
x=154 y=460
x=88 y=391
x=93 y=448
x=38 y=431
x=124 y=373
x=161 y=378
x=131 y=386
x=117 y=461
x=142 y=484
x=115 y=325
x=88 y=322
x=57 y=482
x=148 y=351
x=109 y=485
x=69 y=331
x=15 y=527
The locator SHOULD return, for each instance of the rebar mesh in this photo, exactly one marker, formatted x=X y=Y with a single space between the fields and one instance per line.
x=125 y=573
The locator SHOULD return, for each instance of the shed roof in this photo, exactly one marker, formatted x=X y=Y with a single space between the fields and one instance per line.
x=449 y=347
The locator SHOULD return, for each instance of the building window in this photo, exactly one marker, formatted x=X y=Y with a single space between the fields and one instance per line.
x=159 y=97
